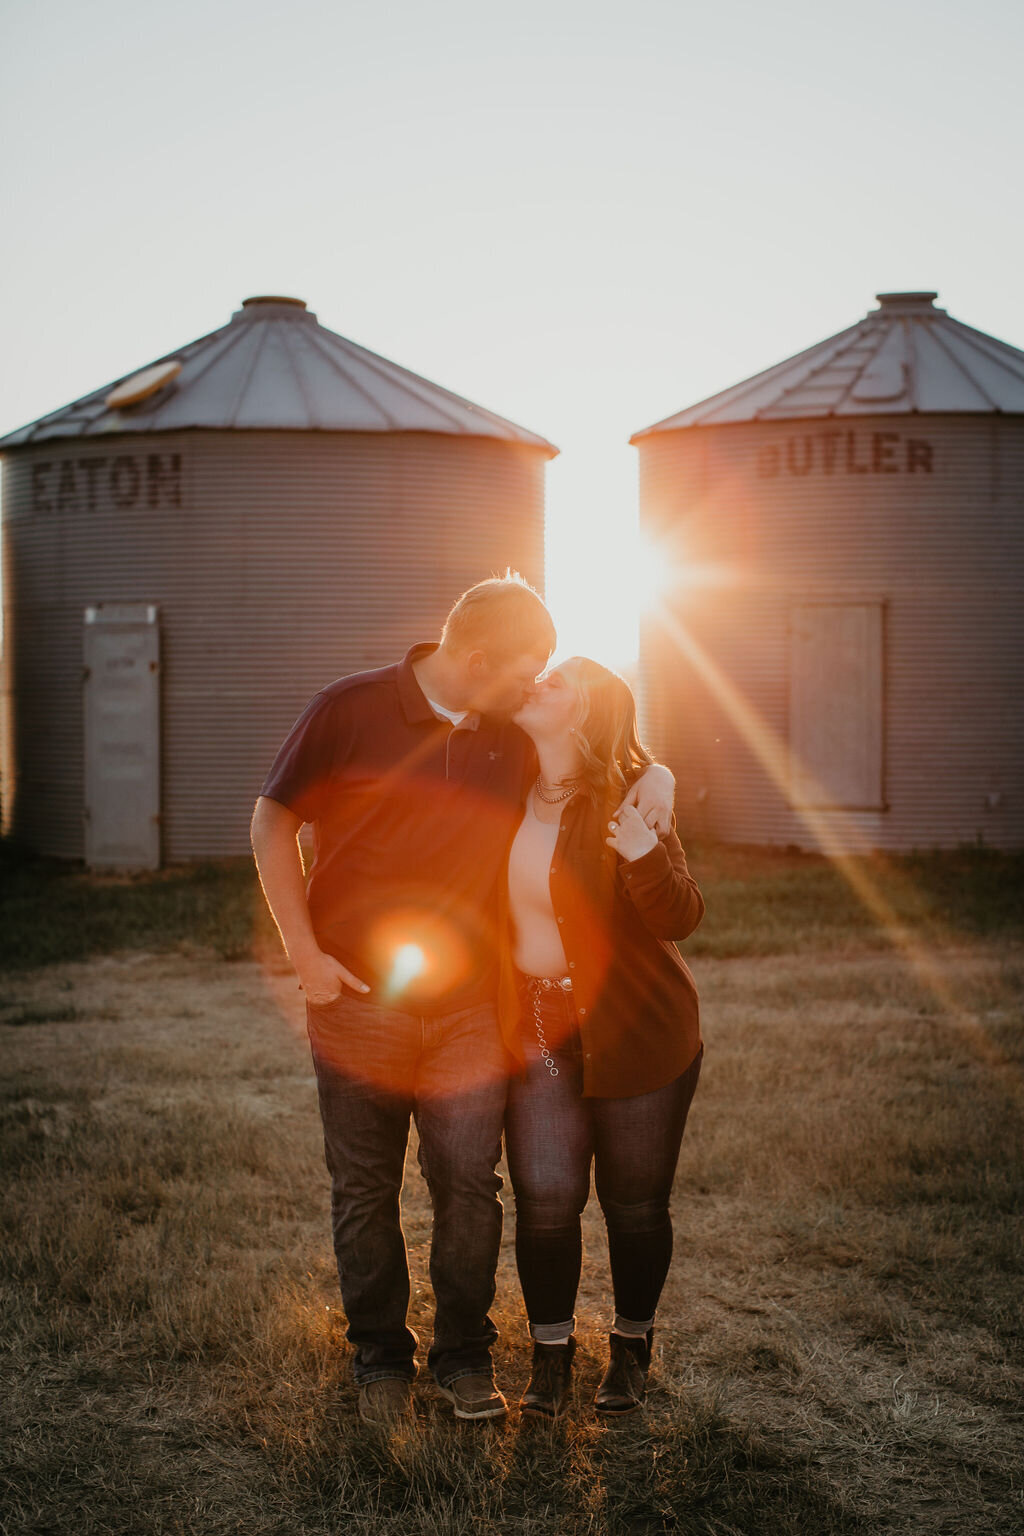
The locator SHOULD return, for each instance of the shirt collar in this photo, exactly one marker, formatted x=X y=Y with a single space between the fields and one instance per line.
x=414 y=703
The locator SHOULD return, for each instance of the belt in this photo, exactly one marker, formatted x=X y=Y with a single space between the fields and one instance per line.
x=549 y=983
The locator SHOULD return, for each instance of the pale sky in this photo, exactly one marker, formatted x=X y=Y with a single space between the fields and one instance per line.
x=583 y=216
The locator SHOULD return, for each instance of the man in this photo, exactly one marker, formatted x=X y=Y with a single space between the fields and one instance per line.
x=412 y=776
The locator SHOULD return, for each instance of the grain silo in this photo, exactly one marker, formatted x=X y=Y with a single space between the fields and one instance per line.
x=213 y=539
x=840 y=660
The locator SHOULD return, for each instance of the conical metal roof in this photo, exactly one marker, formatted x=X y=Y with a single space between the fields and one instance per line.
x=273 y=366
x=905 y=356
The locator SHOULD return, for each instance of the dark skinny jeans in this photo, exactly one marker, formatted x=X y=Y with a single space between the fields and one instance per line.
x=553 y=1135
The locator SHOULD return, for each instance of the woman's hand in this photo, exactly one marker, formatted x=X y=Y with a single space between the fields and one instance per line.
x=631 y=837
x=654 y=795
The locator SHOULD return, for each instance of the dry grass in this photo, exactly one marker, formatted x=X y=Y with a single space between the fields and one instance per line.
x=840 y=1342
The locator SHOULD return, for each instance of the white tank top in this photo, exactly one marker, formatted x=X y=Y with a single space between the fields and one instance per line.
x=537 y=943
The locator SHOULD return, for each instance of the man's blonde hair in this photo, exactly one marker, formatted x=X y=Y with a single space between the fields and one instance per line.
x=503 y=617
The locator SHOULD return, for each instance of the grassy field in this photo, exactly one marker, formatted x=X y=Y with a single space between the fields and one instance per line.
x=761 y=902
x=839 y=1346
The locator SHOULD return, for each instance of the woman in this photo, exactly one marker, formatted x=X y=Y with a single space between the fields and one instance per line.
x=601 y=1015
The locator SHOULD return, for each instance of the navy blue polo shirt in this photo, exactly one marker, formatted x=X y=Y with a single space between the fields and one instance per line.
x=412 y=820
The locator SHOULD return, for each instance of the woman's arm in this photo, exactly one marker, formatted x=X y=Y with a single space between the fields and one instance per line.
x=657 y=880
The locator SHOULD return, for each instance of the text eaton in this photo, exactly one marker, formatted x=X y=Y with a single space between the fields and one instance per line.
x=124 y=480
x=846 y=453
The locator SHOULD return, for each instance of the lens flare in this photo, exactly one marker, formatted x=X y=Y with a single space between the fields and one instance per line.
x=409 y=962
x=420 y=955
x=773 y=754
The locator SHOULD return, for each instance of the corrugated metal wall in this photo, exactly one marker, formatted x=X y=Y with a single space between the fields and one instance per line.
x=279 y=560
x=923 y=516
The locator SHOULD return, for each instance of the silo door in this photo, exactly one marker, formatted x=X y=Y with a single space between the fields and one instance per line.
x=122 y=736
x=836 y=705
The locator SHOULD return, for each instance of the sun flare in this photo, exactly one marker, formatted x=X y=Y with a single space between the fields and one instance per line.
x=598 y=593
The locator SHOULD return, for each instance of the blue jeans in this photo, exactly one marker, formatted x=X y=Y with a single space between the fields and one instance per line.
x=377 y=1067
x=552 y=1137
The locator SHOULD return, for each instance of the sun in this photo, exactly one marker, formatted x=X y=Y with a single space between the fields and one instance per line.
x=598 y=591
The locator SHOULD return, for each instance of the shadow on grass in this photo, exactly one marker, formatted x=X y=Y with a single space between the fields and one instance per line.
x=694 y=1473
x=765 y=901
x=760 y=901
x=679 y=1467
x=53 y=911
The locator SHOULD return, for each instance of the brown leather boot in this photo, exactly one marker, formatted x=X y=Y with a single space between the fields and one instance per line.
x=624 y=1383
x=550 y=1379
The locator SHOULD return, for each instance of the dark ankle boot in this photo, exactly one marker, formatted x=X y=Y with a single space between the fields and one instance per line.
x=548 y=1392
x=625 y=1381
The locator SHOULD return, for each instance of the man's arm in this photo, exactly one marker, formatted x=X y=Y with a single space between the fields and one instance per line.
x=653 y=794
x=275 y=833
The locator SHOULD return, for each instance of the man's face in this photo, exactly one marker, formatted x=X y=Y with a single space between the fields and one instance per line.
x=502 y=688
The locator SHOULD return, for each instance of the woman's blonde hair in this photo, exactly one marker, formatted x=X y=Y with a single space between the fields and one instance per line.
x=605 y=729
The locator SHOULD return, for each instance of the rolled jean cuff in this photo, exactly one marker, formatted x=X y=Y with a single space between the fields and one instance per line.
x=364 y=1378
x=552 y=1333
x=631 y=1330
x=487 y=1369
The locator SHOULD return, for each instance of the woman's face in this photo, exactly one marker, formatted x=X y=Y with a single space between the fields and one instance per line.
x=551 y=707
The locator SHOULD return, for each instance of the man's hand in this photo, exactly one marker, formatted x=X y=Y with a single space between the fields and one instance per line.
x=275 y=831
x=631 y=837
x=653 y=795
x=322 y=977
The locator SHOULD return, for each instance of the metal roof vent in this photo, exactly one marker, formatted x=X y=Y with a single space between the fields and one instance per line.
x=920 y=305
x=273 y=306
x=277 y=298
x=141 y=386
